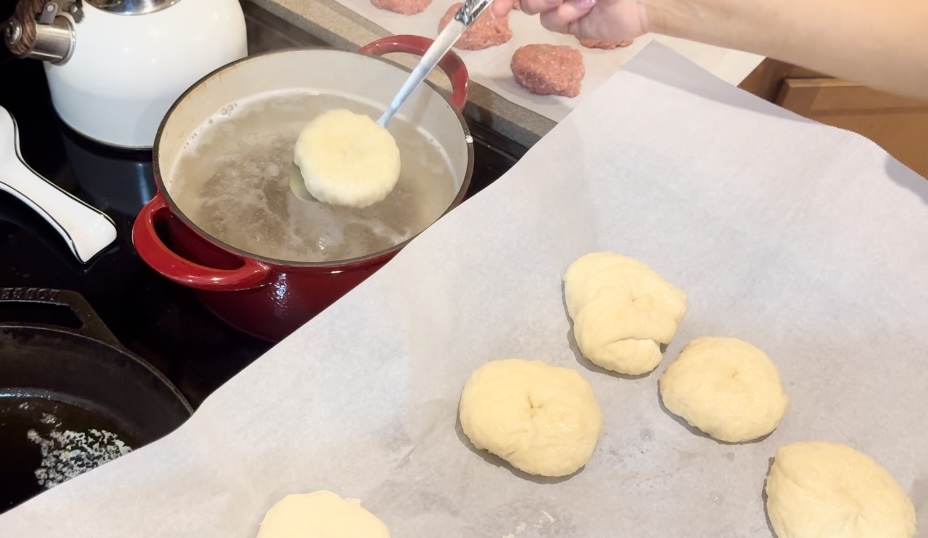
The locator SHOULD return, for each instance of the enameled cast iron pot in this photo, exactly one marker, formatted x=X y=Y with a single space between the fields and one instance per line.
x=271 y=298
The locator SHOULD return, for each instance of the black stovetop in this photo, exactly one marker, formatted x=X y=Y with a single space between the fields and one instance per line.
x=158 y=320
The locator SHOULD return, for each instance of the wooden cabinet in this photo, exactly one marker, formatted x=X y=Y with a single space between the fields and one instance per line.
x=898 y=125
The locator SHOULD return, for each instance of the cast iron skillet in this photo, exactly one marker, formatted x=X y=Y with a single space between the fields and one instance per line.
x=69 y=396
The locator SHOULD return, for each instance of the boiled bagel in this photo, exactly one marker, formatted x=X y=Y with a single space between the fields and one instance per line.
x=347 y=159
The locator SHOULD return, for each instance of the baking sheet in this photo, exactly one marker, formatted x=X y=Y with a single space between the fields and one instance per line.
x=490 y=67
x=805 y=240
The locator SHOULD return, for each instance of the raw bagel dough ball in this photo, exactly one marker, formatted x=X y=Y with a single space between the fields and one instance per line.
x=830 y=490
x=542 y=419
x=321 y=514
x=622 y=311
x=347 y=159
x=727 y=388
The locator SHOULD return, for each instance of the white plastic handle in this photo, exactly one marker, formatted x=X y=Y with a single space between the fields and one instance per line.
x=86 y=230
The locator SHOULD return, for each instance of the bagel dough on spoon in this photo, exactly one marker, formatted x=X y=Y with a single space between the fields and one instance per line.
x=347 y=159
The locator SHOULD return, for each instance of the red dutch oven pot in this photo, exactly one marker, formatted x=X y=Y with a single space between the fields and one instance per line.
x=270 y=298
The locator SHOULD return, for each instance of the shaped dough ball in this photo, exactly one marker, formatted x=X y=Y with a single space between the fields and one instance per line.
x=321 y=514
x=347 y=159
x=830 y=490
x=541 y=419
x=622 y=311
x=727 y=388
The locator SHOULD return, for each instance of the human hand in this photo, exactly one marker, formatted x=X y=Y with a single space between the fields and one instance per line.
x=608 y=20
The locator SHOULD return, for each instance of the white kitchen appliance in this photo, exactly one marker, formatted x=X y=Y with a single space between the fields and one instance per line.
x=114 y=67
x=86 y=230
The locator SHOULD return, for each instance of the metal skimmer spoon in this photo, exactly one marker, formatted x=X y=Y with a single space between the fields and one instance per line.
x=462 y=20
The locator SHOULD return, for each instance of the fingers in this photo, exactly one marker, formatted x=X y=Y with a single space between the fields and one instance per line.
x=534 y=7
x=564 y=18
x=500 y=8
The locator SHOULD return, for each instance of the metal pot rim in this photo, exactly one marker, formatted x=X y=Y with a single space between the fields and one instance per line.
x=359 y=261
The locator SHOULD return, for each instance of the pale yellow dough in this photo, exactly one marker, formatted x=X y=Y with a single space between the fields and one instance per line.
x=622 y=311
x=347 y=159
x=542 y=419
x=727 y=388
x=321 y=514
x=824 y=489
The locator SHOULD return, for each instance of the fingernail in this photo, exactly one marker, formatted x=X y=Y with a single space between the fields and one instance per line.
x=584 y=5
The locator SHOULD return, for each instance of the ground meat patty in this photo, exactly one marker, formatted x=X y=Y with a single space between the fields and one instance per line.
x=602 y=44
x=487 y=30
x=548 y=69
x=405 y=7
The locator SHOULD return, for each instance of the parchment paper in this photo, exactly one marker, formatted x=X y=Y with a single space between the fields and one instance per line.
x=490 y=67
x=805 y=240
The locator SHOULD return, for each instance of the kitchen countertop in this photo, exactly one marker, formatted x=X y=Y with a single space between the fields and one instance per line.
x=342 y=28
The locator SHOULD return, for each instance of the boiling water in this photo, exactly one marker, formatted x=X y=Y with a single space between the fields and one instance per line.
x=233 y=181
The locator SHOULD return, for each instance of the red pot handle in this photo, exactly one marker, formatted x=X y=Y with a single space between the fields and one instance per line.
x=156 y=254
x=451 y=63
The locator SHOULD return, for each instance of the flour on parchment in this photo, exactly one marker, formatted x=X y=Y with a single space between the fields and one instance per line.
x=543 y=520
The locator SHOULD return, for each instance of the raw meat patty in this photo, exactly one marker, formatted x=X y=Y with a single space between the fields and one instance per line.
x=487 y=30
x=404 y=7
x=548 y=69
x=603 y=44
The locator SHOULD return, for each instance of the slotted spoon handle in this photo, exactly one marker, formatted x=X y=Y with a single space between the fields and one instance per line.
x=463 y=19
x=86 y=230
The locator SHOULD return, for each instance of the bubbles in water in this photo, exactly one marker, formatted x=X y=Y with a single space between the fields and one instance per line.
x=234 y=183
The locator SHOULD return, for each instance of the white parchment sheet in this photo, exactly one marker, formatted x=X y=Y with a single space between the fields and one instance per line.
x=490 y=67
x=807 y=241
